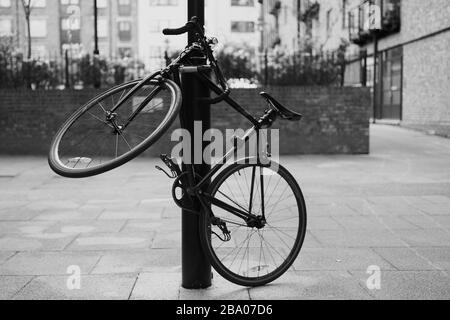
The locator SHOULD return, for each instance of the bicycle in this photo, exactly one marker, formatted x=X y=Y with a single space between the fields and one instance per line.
x=248 y=239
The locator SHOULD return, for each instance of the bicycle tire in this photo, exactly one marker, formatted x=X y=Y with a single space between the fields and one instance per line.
x=61 y=167
x=206 y=232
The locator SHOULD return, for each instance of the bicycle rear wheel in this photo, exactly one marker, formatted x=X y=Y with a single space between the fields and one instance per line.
x=100 y=137
x=255 y=255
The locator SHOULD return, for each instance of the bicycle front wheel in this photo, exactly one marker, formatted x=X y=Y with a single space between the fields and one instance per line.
x=101 y=136
x=258 y=253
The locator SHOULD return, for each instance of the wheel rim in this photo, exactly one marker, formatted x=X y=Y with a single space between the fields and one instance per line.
x=254 y=256
x=97 y=138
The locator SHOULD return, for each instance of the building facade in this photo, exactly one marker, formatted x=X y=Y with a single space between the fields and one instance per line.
x=413 y=67
x=60 y=25
x=305 y=25
x=411 y=37
x=231 y=21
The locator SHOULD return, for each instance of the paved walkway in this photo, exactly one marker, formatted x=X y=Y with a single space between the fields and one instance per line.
x=389 y=210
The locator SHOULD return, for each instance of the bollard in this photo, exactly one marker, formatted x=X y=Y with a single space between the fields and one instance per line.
x=196 y=269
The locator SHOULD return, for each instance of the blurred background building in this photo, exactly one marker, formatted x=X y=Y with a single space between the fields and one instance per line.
x=60 y=25
x=279 y=42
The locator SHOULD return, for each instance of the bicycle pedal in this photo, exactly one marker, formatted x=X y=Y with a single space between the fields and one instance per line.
x=171 y=176
x=172 y=165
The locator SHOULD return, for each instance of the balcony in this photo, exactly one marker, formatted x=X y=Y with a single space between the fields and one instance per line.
x=363 y=25
x=276 y=7
x=311 y=11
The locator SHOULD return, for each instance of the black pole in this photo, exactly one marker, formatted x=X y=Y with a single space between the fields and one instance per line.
x=96 y=51
x=66 y=69
x=375 y=76
x=196 y=268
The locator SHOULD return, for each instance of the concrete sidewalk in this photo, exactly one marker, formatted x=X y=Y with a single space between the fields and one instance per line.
x=389 y=209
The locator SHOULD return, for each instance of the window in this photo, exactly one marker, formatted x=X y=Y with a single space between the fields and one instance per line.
x=38 y=28
x=345 y=14
x=5 y=27
x=124 y=30
x=242 y=3
x=243 y=26
x=125 y=52
x=70 y=24
x=102 y=4
x=163 y=2
x=157 y=26
x=329 y=17
x=38 y=4
x=5 y=3
x=103 y=28
x=69 y=2
x=124 y=7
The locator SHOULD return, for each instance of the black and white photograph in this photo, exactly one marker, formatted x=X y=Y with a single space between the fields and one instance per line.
x=240 y=152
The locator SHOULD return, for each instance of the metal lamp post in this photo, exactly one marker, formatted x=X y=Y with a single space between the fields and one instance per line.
x=96 y=51
x=196 y=271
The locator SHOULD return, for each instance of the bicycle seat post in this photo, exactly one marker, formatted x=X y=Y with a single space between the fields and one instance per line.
x=196 y=269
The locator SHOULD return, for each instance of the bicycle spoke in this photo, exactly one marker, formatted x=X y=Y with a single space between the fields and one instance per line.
x=245 y=210
x=258 y=253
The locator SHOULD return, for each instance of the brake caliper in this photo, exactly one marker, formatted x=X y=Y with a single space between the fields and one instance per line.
x=223 y=227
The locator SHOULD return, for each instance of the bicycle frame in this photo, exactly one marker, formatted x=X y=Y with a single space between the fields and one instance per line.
x=197 y=189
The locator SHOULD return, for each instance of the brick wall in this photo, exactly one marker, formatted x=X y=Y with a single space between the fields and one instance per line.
x=336 y=120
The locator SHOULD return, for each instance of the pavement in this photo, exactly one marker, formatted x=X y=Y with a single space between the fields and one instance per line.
x=378 y=229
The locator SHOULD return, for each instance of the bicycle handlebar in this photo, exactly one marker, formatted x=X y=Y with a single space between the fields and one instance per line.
x=191 y=26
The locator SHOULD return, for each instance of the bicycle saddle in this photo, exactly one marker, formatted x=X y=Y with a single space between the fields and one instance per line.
x=284 y=112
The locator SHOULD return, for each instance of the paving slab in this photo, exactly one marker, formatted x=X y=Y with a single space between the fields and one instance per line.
x=67 y=215
x=312 y=285
x=24 y=227
x=339 y=259
x=35 y=242
x=220 y=289
x=5 y=255
x=425 y=238
x=425 y=221
x=157 y=286
x=143 y=226
x=409 y=285
x=82 y=226
x=386 y=209
x=53 y=205
x=48 y=263
x=92 y=287
x=332 y=209
x=11 y=285
x=438 y=256
x=406 y=258
x=442 y=221
x=165 y=239
x=155 y=260
x=111 y=241
x=17 y=214
x=323 y=223
x=131 y=214
x=357 y=238
x=437 y=209
x=373 y=222
x=438 y=200
x=11 y=204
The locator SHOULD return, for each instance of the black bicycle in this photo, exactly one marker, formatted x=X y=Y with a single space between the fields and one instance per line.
x=255 y=221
